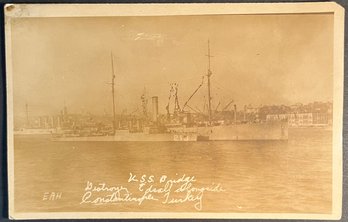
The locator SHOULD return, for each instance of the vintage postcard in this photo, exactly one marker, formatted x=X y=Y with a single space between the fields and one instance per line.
x=175 y=110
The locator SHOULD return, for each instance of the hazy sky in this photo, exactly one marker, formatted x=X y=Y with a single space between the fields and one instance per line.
x=258 y=59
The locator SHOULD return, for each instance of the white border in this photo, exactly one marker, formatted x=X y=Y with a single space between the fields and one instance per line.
x=96 y=10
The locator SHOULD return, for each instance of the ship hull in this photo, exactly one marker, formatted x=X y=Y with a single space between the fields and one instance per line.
x=260 y=131
x=133 y=137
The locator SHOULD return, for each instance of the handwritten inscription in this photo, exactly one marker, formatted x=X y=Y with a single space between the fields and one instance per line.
x=51 y=196
x=161 y=189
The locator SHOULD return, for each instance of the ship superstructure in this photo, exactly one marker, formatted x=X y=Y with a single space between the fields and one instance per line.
x=181 y=125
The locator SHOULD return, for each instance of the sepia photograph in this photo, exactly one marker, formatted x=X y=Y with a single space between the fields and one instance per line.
x=175 y=110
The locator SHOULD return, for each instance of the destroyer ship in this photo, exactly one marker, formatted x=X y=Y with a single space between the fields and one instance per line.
x=181 y=125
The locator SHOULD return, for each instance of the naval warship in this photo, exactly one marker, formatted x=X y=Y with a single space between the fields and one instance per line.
x=183 y=129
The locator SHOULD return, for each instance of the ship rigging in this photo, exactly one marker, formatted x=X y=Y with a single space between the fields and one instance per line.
x=184 y=126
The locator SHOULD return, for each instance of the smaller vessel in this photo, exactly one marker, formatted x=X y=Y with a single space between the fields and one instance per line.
x=30 y=129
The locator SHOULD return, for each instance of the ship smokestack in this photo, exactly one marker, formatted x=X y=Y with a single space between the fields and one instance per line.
x=154 y=108
x=235 y=113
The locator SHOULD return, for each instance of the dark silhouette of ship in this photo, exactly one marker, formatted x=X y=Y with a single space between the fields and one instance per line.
x=181 y=125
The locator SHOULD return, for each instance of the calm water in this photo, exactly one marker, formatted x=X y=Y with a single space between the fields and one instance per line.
x=274 y=177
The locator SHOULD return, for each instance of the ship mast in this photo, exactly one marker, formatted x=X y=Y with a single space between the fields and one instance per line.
x=209 y=93
x=113 y=94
